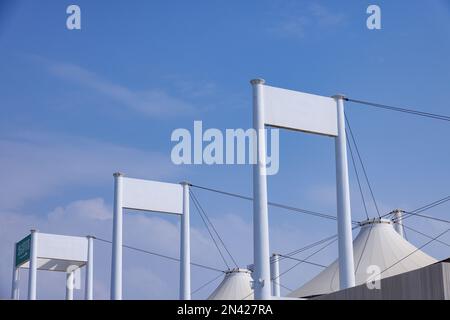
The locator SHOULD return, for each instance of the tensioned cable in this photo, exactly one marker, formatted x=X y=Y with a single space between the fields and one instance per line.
x=404 y=110
x=205 y=284
x=161 y=255
x=388 y=214
x=311 y=255
x=418 y=249
x=423 y=234
x=416 y=212
x=432 y=205
x=334 y=238
x=362 y=165
x=310 y=246
x=209 y=231
x=364 y=248
x=247 y=296
x=273 y=281
x=422 y=208
x=357 y=177
x=322 y=215
x=281 y=285
x=286 y=207
x=427 y=217
x=305 y=261
x=214 y=228
x=273 y=204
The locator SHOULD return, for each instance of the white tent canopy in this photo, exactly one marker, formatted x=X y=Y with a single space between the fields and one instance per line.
x=377 y=244
x=58 y=253
x=53 y=252
x=235 y=286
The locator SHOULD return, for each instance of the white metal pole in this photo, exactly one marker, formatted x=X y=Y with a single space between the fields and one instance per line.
x=15 y=277
x=116 y=268
x=185 y=250
x=398 y=215
x=70 y=279
x=33 y=266
x=344 y=219
x=89 y=295
x=261 y=275
x=275 y=270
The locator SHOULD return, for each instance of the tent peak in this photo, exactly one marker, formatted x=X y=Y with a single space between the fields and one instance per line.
x=374 y=221
x=238 y=270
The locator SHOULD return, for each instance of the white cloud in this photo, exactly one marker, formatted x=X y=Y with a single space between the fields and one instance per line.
x=191 y=88
x=145 y=276
x=298 y=19
x=154 y=102
x=93 y=209
x=34 y=165
x=324 y=16
x=293 y=27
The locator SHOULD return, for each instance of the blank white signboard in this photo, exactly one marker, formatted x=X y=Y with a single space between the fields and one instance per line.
x=152 y=196
x=59 y=247
x=300 y=111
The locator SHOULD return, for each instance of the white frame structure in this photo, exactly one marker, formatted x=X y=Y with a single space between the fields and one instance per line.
x=303 y=112
x=150 y=196
x=51 y=252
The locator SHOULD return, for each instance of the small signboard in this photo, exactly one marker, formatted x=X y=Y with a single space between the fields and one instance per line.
x=300 y=111
x=23 y=249
x=152 y=196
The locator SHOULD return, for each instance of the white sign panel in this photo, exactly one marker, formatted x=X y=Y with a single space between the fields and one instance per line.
x=59 y=247
x=300 y=111
x=152 y=196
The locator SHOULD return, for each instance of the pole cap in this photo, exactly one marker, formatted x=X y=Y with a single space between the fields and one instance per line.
x=339 y=96
x=257 y=81
x=185 y=183
x=118 y=174
x=34 y=230
x=91 y=237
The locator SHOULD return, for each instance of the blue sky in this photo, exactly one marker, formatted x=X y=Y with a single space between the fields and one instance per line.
x=79 y=105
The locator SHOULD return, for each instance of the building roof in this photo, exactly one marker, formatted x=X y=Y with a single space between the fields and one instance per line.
x=235 y=286
x=377 y=244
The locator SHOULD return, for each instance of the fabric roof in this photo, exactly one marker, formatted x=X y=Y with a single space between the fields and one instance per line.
x=376 y=244
x=235 y=286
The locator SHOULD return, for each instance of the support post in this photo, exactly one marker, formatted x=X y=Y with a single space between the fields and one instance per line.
x=32 y=274
x=185 y=250
x=89 y=294
x=70 y=279
x=116 y=265
x=344 y=221
x=275 y=270
x=398 y=216
x=261 y=275
x=15 y=277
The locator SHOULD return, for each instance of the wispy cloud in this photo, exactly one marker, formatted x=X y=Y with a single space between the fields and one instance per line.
x=34 y=165
x=145 y=276
x=291 y=27
x=154 y=102
x=298 y=20
x=324 y=16
x=192 y=88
